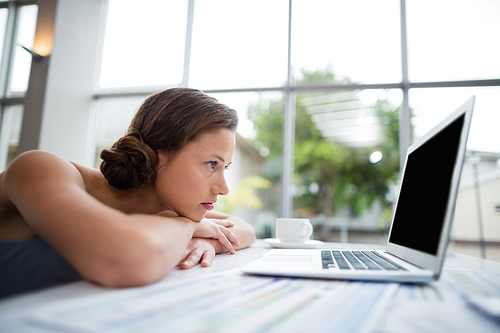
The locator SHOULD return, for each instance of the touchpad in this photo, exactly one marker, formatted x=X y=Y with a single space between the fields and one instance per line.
x=291 y=257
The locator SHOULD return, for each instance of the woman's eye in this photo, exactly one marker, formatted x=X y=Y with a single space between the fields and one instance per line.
x=212 y=164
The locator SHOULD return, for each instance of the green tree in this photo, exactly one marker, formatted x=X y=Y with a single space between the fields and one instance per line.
x=328 y=176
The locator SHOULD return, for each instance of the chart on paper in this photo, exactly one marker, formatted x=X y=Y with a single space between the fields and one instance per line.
x=226 y=302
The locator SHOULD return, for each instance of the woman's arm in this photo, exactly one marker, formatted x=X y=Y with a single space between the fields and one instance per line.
x=103 y=244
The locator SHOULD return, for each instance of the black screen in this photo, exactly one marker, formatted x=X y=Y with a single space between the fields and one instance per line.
x=425 y=190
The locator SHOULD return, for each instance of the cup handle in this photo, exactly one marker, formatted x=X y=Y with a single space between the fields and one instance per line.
x=307 y=230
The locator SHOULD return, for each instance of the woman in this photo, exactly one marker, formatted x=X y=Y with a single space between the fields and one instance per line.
x=146 y=211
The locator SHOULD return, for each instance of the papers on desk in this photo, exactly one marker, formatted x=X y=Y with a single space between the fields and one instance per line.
x=480 y=289
x=437 y=307
x=231 y=301
x=225 y=302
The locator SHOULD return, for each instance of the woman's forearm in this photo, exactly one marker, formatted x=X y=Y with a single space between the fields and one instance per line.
x=144 y=251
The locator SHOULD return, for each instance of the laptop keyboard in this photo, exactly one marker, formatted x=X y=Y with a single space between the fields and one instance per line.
x=358 y=260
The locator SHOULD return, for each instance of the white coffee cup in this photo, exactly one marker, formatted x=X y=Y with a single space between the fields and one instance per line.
x=293 y=230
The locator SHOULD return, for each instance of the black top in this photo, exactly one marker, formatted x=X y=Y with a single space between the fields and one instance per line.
x=31 y=264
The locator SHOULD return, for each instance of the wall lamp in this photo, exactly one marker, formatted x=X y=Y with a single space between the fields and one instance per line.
x=35 y=54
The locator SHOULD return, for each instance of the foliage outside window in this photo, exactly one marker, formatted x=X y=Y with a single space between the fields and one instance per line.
x=331 y=177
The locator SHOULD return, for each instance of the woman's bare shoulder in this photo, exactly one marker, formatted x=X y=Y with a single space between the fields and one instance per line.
x=36 y=168
x=37 y=156
x=33 y=177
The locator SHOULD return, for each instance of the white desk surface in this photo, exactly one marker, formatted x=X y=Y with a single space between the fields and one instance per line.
x=415 y=315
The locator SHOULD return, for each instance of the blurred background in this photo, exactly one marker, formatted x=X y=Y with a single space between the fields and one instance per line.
x=330 y=94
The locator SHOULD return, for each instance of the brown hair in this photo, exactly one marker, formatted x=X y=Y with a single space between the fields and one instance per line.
x=166 y=121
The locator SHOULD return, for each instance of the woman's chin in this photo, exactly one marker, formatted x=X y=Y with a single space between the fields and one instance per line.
x=197 y=217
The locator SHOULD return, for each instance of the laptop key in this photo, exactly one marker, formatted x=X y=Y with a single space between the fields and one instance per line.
x=356 y=264
x=382 y=262
x=325 y=254
x=370 y=264
x=341 y=262
x=389 y=261
x=327 y=259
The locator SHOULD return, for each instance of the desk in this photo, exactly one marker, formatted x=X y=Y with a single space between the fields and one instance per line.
x=432 y=308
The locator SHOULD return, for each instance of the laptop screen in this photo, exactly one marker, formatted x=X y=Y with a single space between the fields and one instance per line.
x=425 y=190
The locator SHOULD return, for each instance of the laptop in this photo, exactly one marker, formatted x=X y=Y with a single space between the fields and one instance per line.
x=421 y=224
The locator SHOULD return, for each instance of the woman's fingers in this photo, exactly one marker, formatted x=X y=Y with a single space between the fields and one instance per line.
x=198 y=253
x=191 y=260
x=207 y=258
x=224 y=241
x=230 y=236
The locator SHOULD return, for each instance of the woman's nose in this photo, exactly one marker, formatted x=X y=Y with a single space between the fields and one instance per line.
x=220 y=186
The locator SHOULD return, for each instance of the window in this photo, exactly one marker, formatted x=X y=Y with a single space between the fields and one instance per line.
x=346 y=156
x=460 y=47
x=143 y=43
x=113 y=118
x=21 y=59
x=239 y=44
x=330 y=93
x=358 y=40
x=431 y=105
x=10 y=131
x=17 y=28
x=4 y=12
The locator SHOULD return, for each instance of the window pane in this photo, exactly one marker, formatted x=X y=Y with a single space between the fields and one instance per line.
x=430 y=106
x=456 y=40
x=238 y=44
x=12 y=118
x=358 y=40
x=3 y=23
x=143 y=43
x=113 y=118
x=347 y=161
x=22 y=60
x=256 y=173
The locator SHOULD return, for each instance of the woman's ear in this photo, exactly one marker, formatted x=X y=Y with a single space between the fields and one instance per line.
x=162 y=159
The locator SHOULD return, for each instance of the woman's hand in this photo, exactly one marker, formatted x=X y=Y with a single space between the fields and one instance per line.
x=198 y=250
x=203 y=250
x=206 y=228
x=242 y=230
x=212 y=229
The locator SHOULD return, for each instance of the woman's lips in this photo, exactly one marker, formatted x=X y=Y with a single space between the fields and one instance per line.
x=208 y=205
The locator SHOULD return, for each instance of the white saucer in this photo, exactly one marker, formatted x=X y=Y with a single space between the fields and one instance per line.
x=310 y=244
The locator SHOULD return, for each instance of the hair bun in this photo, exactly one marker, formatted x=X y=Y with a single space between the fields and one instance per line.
x=130 y=163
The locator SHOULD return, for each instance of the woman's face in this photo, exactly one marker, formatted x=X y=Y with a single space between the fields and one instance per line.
x=192 y=181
